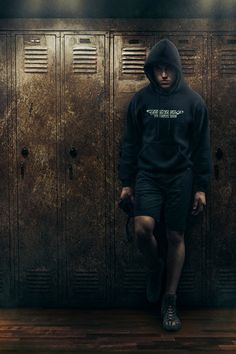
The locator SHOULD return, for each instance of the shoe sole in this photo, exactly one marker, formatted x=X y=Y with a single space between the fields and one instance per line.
x=171 y=328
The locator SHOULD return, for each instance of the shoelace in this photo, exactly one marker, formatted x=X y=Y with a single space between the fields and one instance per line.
x=171 y=312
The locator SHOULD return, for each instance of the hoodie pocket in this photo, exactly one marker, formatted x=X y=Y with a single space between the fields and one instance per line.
x=165 y=156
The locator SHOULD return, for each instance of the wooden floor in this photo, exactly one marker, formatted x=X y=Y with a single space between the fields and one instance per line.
x=115 y=330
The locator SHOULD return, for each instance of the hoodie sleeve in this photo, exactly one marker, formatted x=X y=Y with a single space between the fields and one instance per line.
x=201 y=151
x=130 y=146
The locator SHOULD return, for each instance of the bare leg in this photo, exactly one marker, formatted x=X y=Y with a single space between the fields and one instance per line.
x=175 y=259
x=146 y=241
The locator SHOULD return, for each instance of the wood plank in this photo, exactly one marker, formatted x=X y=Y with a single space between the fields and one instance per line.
x=135 y=331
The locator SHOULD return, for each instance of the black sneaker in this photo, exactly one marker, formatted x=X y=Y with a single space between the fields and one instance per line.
x=154 y=281
x=169 y=316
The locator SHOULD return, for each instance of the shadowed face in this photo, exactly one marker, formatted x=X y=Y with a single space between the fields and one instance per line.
x=165 y=75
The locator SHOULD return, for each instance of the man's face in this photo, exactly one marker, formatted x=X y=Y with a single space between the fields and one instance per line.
x=165 y=75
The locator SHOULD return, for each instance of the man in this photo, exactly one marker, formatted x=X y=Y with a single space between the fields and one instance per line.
x=165 y=157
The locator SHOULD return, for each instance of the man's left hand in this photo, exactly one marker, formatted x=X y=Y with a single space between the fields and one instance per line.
x=199 y=202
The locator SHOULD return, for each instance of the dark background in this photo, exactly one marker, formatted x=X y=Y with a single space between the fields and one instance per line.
x=118 y=9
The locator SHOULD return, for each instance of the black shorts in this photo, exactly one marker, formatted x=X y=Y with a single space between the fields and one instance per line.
x=172 y=191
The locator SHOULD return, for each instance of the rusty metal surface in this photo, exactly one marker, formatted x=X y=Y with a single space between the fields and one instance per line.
x=66 y=243
x=223 y=196
x=5 y=236
x=84 y=124
x=36 y=130
x=61 y=179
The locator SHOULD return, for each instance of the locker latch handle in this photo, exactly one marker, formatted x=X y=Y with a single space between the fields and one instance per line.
x=70 y=171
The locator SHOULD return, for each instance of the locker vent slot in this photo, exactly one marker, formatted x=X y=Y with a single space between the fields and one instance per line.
x=187 y=282
x=36 y=60
x=85 y=60
x=134 y=281
x=133 y=41
x=133 y=59
x=188 y=60
x=228 y=61
x=85 y=282
x=231 y=41
x=38 y=281
x=84 y=40
x=185 y=41
x=227 y=281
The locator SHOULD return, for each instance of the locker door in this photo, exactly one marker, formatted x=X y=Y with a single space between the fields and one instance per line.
x=128 y=77
x=84 y=168
x=37 y=179
x=193 y=282
x=223 y=223
x=5 y=153
x=130 y=52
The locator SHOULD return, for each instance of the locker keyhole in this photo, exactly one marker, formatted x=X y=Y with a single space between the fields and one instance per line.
x=73 y=152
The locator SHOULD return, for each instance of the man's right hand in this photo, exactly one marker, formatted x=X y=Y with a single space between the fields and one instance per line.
x=127 y=191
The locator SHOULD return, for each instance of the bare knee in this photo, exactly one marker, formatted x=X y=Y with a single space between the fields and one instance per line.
x=143 y=228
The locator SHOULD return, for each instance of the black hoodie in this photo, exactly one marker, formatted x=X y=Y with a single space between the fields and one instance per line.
x=166 y=130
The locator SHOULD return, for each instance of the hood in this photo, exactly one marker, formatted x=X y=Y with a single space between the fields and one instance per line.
x=164 y=52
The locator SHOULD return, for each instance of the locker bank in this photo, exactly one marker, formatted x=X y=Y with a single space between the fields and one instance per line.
x=65 y=85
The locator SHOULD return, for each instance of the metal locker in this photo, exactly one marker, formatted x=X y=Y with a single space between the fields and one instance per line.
x=84 y=126
x=130 y=52
x=222 y=279
x=6 y=268
x=193 y=280
x=36 y=169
